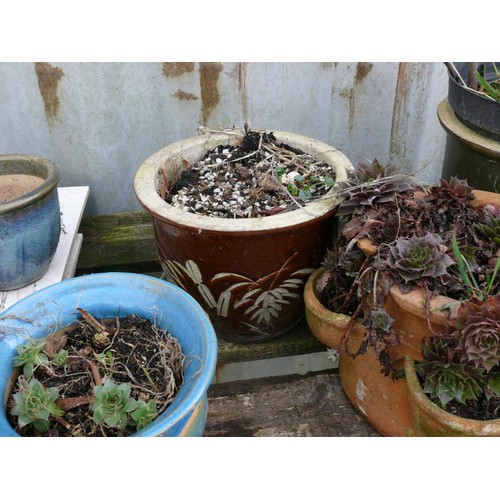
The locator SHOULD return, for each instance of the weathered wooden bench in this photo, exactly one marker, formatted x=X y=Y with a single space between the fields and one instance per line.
x=283 y=387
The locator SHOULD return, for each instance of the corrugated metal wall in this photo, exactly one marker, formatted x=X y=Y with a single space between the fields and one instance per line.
x=99 y=121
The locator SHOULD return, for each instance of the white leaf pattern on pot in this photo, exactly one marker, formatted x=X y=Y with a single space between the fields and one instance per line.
x=264 y=298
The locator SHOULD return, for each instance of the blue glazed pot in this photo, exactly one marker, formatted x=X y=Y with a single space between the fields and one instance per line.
x=104 y=296
x=30 y=225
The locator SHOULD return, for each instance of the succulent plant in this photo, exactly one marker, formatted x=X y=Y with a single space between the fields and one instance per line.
x=30 y=356
x=419 y=257
x=369 y=184
x=113 y=404
x=493 y=386
x=477 y=331
x=445 y=382
x=490 y=228
x=61 y=358
x=455 y=188
x=34 y=404
x=380 y=319
x=144 y=414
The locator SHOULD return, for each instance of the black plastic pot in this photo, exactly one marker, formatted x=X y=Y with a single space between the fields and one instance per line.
x=474 y=110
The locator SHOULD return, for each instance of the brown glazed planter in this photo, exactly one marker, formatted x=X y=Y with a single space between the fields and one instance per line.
x=248 y=274
x=430 y=420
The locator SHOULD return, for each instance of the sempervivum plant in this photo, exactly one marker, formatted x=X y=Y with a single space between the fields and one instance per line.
x=444 y=377
x=490 y=227
x=419 y=257
x=477 y=331
x=369 y=184
x=455 y=189
x=445 y=382
x=463 y=366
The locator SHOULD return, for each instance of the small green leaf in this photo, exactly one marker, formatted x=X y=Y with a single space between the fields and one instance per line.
x=61 y=358
x=280 y=171
x=304 y=195
x=489 y=89
x=494 y=383
x=144 y=413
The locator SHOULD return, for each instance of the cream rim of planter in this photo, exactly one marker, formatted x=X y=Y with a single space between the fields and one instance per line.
x=33 y=165
x=148 y=181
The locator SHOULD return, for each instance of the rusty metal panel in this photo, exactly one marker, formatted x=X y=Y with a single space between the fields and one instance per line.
x=98 y=120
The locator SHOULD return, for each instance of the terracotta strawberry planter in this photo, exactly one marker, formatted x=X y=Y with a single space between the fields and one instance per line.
x=430 y=420
x=382 y=400
x=248 y=274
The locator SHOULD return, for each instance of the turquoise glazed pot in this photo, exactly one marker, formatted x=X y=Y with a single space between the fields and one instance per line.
x=30 y=224
x=104 y=296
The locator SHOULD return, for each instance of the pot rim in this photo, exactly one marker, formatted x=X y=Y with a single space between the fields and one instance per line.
x=454 y=422
x=147 y=178
x=316 y=307
x=15 y=163
x=474 y=140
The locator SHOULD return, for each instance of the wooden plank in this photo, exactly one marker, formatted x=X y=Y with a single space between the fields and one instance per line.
x=297 y=341
x=118 y=242
x=294 y=405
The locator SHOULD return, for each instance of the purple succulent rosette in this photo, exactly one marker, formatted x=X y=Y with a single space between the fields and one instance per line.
x=477 y=330
x=419 y=257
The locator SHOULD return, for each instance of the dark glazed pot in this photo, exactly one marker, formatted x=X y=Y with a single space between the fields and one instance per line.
x=30 y=223
x=469 y=154
x=248 y=274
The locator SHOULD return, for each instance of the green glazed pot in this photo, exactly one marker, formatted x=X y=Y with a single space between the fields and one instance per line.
x=468 y=154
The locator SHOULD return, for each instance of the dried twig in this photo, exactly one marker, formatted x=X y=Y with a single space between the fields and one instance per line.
x=92 y=321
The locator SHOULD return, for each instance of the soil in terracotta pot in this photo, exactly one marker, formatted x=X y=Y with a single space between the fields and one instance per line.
x=256 y=178
x=13 y=186
x=129 y=350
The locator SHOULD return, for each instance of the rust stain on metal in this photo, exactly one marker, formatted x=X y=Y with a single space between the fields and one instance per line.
x=400 y=99
x=48 y=81
x=209 y=79
x=241 y=70
x=349 y=95
x=173 y=69
x=182 y=95
x=362 y=70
